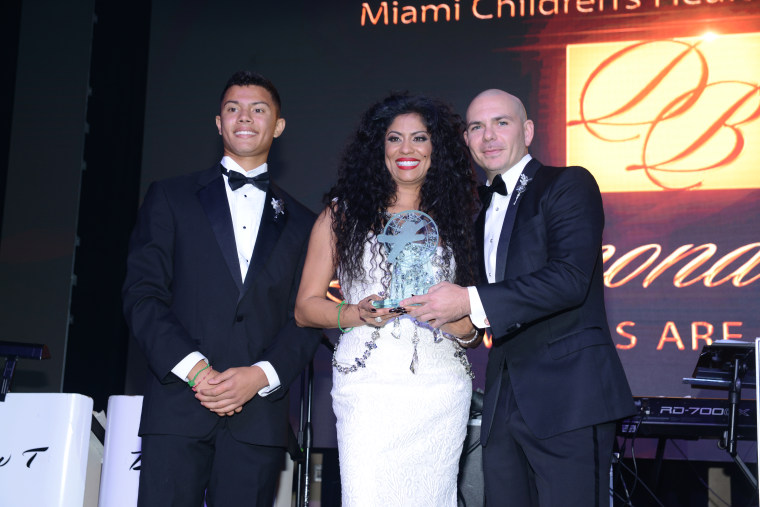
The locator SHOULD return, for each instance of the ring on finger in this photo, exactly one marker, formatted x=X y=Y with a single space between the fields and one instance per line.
x=378 y=319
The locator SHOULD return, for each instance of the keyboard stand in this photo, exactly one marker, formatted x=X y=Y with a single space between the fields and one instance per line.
x=725 y=365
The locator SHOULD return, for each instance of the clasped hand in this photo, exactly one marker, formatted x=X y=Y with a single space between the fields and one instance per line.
x=225 y=393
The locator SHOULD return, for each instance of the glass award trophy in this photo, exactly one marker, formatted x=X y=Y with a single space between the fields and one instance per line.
x=410 y=238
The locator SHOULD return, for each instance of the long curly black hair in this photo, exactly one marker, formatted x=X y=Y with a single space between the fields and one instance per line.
x=365 y=190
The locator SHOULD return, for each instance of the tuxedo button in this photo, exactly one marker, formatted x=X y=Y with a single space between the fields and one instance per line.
x=239 y=318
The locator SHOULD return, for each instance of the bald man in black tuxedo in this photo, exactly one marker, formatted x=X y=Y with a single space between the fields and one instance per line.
x=554 y=382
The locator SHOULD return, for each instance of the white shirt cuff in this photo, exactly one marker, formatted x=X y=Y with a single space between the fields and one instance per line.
x=272 y=377
x=182 y=370
x=478 y=315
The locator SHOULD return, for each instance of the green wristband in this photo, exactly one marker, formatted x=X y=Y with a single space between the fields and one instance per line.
x=340 y=307
x=191 y=383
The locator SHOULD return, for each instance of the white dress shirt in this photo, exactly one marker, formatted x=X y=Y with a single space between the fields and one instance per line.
x=495 y=214
x=246 y=207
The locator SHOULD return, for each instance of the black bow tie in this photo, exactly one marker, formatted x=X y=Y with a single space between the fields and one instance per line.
x=237 y=180
x=486 y=192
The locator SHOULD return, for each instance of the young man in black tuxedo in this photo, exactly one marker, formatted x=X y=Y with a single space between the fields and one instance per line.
x=554 y=382
x=213 y=269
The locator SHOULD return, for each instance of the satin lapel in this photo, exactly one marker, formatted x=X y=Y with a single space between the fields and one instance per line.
x=213 y=199
x=509 y=222
x=270 y=229
x=480 y=225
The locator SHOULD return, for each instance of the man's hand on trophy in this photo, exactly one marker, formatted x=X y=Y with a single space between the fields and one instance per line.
x=444 y=302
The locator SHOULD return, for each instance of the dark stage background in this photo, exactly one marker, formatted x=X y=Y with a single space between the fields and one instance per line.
x=658 y=98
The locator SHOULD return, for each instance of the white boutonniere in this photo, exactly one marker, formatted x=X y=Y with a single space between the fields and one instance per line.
x=278 y=206
x=524 y=180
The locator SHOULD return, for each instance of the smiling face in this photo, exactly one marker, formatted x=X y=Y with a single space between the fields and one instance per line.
x=498 y=132
x=248 y=124
x=408 y=150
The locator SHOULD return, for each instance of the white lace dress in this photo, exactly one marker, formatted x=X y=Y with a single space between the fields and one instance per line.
x=400 y=433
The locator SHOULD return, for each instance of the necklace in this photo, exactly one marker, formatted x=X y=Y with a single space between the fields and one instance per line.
x=371 y=344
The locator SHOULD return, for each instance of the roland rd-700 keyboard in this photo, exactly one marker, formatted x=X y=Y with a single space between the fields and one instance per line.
x=688 y=418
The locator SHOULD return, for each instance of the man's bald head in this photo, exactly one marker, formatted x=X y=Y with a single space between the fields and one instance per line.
x=505 y=96
x=498 y=131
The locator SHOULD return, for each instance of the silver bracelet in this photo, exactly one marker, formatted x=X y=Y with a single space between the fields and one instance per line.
x=462 y=342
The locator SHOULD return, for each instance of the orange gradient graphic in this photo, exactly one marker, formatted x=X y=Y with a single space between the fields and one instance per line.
x=488 y=339
x=666 y=114
x=333 y=292
x=692 y=264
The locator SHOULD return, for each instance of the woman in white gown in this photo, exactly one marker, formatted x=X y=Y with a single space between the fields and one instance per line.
x=401 y=388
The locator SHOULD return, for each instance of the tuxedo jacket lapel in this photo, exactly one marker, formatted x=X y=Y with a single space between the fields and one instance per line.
x=213 y=199
x=270 y=229
x=480 y=225
x=509 y=222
